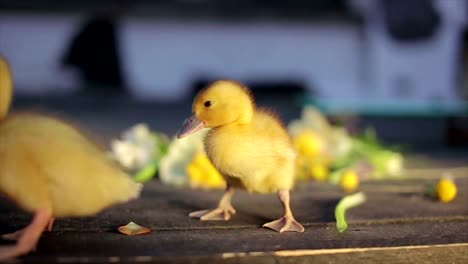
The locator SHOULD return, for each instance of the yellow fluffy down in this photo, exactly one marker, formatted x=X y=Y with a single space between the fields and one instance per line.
x=257 y=156
x=45 y=163
x=248 y=146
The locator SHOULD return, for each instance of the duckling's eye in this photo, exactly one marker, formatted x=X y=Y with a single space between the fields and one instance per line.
x=207 y=103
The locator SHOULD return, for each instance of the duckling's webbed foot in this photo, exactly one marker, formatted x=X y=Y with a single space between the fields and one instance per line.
x=287 y=222
x=223 y=212
x=215 y=214
x=28 y=237
x=13 y=236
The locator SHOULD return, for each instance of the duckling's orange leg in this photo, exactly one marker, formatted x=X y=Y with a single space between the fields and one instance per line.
x=287 y=222
x=223 y=212
x=29 y=237
x=17 y=234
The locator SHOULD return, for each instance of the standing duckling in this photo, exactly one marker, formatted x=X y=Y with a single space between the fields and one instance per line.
x=248 y=146
x=48 y=168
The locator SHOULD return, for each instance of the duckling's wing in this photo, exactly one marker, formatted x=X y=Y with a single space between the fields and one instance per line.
x=259 y=155
x=48 y=161
x=265 y=169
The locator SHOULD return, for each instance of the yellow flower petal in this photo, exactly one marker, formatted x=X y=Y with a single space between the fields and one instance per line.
x=446 y=190
x=309 y=143
x=349 y=181
x=319 y=172
x=194 y=173
x=132 y=229
x=202 y=160
x=203 y=174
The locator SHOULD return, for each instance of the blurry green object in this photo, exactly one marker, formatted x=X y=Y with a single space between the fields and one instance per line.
x=140 y=151
x=430 y=190
x=344 y=204
x=147 y=173
x=382 y=161
x=341 y=151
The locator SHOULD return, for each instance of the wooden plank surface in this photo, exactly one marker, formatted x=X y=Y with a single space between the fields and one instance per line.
x=396 y=214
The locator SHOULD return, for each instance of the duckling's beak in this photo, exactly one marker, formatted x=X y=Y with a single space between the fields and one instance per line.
x=190 y=126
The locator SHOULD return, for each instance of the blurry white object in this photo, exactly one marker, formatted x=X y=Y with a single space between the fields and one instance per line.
x=136 y=149
x=173 y=165
x=424 y=70
x=34 y=44
x=163 y=59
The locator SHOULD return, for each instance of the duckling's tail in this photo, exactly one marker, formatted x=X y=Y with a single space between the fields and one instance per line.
x=6 y=87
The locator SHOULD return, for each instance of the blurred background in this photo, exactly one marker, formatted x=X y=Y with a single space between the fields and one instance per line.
x=398 y=66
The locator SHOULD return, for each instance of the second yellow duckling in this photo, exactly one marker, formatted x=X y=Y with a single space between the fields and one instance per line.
x=249 y=146
x=50 y=169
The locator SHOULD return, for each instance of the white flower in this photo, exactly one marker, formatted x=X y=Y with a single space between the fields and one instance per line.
x=179 y=155
x=340 y=142
x=395 y=164
x=311 y=119
x=137 y=148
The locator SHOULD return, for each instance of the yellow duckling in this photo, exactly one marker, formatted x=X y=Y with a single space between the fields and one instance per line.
x=47 y=167
x=248 y=146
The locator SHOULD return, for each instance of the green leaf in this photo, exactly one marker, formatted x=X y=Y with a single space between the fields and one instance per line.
x=162 y=141
x=146 y=173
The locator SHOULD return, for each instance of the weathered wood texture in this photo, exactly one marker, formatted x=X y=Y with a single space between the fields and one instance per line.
x=396 y=214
